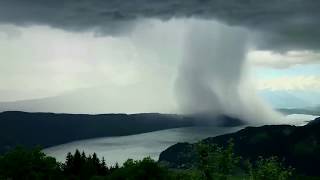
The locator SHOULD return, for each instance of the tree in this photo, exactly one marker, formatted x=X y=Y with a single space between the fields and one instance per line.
x=82 y=166
x=140 y=169
x=96 y=161
x=270 y=169
x=216 y=162
x=22 y=163
x=103 y=169
x=76 y=163
x=67 y=166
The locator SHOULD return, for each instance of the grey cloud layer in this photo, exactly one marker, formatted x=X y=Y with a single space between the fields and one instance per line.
x=281 y=24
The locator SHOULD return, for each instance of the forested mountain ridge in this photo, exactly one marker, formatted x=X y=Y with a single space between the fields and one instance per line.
x=49 y=129
x=299 y=146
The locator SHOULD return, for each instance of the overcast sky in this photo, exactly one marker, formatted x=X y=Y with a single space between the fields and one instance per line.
x=125 y=55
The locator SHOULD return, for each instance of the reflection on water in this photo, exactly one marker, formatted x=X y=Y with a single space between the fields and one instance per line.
x=119 y=149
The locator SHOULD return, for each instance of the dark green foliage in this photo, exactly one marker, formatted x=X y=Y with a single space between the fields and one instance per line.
x=79 y=166
x=213 y=163
x=216 y=162
x=141 y=169
x=270 y=169
x=20 y=164
x=192 y=174
x=179 y=156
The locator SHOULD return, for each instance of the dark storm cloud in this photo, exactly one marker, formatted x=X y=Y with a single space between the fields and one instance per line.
x=282 y=23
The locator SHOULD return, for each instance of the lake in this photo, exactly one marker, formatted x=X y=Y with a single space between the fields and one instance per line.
x=119 y=149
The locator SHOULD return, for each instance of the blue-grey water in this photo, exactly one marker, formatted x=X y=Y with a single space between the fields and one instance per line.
x=119 y=149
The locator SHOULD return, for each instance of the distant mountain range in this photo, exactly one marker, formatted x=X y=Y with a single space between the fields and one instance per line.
x=291 y=99
x=98 y=100
x=310 y=111
x=300 y=146
x=293 y=102
x=49 y=129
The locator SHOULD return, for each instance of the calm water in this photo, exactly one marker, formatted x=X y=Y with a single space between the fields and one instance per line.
x=119 y=149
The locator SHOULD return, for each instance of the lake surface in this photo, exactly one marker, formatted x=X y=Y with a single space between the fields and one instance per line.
x=119 y=149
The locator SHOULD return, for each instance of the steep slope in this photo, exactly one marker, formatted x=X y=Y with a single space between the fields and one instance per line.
x=300 y=146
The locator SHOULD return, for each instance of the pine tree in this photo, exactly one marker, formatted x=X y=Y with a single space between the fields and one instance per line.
x=95 y=160
x=103 y=167
x=68 y=166
x=77 y=162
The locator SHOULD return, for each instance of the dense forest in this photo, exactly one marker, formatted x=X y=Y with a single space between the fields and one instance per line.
x=213 y=162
